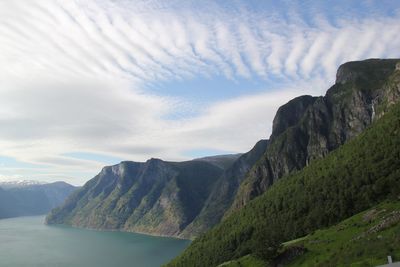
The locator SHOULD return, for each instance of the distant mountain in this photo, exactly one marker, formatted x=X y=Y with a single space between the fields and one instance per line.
x=221 y=161
x=23 y=198
x=19 y=183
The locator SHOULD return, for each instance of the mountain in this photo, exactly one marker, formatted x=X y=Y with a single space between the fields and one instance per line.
x=358 y=175
x=155 y=197
x=19 y=183
x=308 y=128
x=224 y=191
x=221 y=161
x=23 y=198
x=159 y=197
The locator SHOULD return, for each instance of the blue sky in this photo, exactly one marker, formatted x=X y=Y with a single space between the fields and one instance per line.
x=85 y=84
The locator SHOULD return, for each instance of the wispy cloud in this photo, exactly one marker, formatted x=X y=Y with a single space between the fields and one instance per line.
x=74 y=75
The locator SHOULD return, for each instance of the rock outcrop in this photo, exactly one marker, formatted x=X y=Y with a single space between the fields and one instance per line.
x=224 y=191
x=308 y=128
x=154 y=197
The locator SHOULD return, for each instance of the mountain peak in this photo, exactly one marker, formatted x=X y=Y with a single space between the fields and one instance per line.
x=221 y=161
x=20 y=183
x=290 y=113
x=369 y=69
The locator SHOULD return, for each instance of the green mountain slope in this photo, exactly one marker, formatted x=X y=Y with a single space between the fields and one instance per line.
x=154 y=197
x=356 y=176
x=163 y=198
x=224 y=191
x=363 y=240
x=308 y=128
x=178 y=199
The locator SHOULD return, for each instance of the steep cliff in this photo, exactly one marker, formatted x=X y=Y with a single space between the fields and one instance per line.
x=224 y=191
x=154 y=197
x=308 y=128
x=360 y=174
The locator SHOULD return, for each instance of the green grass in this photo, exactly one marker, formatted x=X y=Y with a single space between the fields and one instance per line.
x=346 y=244
x=246 y=261
x=339 y=245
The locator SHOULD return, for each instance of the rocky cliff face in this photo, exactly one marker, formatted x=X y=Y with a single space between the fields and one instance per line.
x=180 y=199
x=155 y=197
x=307 y=128
x=224 y=191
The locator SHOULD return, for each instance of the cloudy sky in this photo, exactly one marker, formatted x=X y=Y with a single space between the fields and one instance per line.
x=87 y=83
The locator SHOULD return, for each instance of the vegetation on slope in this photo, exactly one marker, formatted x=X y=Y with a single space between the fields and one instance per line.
x=155 y=197
x=245 y=261
x=224 y=191
x=178 y=199
x=352 y=178
x=308 y=128
x=365 y=239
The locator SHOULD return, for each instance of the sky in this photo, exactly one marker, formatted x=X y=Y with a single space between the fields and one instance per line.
x=84 y=84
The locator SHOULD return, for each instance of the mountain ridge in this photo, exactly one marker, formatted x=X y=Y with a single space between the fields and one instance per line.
x=308 y=128
x=357 y=176
x=31 y=198
x=176 y=201
x=154 y=197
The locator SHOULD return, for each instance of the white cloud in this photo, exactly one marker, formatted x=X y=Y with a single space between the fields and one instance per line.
x=73 y=75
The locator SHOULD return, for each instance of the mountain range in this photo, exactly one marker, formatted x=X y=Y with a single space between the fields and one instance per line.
x=308 y=174
x=26 y=197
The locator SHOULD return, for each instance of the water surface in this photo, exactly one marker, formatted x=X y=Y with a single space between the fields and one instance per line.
x=26 y=241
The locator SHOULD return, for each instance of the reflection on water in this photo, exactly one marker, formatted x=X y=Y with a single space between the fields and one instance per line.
x=26 y=241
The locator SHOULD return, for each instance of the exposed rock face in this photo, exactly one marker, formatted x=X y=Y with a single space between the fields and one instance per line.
x=307 y=128
x=178 y=199
x=290 y=114
x=224 y=191
x=154 y=197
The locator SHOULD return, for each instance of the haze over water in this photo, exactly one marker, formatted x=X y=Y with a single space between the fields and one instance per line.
x=26 y=241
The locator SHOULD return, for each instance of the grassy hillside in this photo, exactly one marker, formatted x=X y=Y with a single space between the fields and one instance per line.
x=353 y=178
x=365 y=239
x=246 y=261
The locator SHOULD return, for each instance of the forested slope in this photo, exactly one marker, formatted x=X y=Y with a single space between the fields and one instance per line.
x=356 y=176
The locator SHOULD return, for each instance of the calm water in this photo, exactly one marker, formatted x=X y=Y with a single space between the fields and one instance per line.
x=26 y=241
